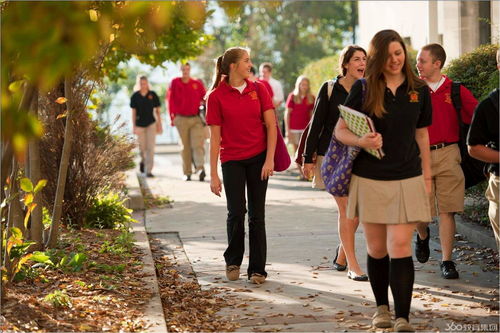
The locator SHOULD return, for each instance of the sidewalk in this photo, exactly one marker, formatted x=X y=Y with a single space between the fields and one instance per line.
x=302 y=292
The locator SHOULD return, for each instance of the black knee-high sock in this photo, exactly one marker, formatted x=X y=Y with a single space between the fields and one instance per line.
x=402 y=276
x=378 y=272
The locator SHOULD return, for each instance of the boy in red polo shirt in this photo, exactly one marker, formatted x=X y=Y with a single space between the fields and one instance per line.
x=184 y=99
x=448 y=184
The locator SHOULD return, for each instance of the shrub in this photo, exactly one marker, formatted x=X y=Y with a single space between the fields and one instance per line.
x=321 y=70
x=98 y=156
x=58 y=299
x=476 y=70
x=108 y=212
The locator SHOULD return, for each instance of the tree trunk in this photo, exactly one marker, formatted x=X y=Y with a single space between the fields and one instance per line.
x=7 y=150
x=63 y=167
x=7 y=154
x=36 y=229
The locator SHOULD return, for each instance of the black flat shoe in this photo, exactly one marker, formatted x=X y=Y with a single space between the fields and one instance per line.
x=202 y=175
x=353 y=276
x=422 y=250
x=448 y=270
x=336 y=266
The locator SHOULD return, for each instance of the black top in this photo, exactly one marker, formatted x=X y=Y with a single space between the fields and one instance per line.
x=484 y=126
x=326 y=114
x=406 y=111
x=144 y=106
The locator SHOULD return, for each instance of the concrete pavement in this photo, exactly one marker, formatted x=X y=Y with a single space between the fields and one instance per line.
x=302 y=292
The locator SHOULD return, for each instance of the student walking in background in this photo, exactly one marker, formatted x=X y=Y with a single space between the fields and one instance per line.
x=278 y=96
x=299 y=106
x=253 y=77
x=390 y=195
x=482 y=142
x=185 y=96
x=448 y=183
x=352 y=62
x=243 y=132
x=146 y=122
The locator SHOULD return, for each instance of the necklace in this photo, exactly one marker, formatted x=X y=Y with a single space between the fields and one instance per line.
x=435 y=85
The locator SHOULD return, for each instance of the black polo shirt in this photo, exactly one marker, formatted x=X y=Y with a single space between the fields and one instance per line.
x=326 y=114
x=484 y=126
x=406 y=111
x=144 y=106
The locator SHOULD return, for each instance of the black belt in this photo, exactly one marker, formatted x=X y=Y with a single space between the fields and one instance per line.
x=441 y=145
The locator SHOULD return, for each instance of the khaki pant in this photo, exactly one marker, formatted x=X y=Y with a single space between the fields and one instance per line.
x=192 y=134
x=492 y=195
x=147 y=137
x=448 y=183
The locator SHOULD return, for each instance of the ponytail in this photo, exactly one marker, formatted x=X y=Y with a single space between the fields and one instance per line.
x=231 y=56
x=217 y=73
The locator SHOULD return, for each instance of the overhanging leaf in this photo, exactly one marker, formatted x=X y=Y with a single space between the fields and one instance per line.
x=28 y=198
x=26 y=185
x=61 y=100
x=62 y=115
x=16 y=86
x=40 y=185
x=93 y=15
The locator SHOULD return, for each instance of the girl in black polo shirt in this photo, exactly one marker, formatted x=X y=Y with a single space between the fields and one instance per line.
x=389 y=196
x=352 y=63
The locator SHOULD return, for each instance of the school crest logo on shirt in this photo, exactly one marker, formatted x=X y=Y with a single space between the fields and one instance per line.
x=413 y=96
x=447 y=98
x=253 y=95
x=195 y=86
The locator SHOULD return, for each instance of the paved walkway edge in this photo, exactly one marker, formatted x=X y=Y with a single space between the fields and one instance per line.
x=135 y=199
x=475 y=233
x=154 y=310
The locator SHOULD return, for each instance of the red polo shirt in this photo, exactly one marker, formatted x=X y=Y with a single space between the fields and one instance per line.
x=268 y=87
x=239 y=115
x=444 y=126
x=184 y=98
x=300 y=113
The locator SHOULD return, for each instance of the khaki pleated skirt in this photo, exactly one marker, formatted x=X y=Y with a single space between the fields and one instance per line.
x=388 y=201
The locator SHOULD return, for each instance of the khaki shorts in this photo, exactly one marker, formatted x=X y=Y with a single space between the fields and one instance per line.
x=448 y=183
x=317 y=179
x=492 y=196
x=388 y=201
x=294 y=136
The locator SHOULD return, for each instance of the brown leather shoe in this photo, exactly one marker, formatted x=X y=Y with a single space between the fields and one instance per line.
x=402 y=325
x=232 y=272
x=382 y=318
x=257 y=278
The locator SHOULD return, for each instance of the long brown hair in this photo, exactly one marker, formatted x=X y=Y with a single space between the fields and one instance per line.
x=375 y=63
x=231 y=56
x=296 y=91
x=346 y=55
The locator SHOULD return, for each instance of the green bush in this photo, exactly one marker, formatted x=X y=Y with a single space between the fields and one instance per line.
x=58 y=299
x=476 y=70
x=321 y=70
x=108 y=212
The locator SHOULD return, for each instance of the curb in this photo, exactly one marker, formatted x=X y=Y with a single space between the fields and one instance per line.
x=153 y=312
x=476 y=233
x=135 y=199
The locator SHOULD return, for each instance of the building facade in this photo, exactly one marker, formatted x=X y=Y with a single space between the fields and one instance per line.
x=460 y=26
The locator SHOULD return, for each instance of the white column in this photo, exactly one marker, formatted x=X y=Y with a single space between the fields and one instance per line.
x=432 y=24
